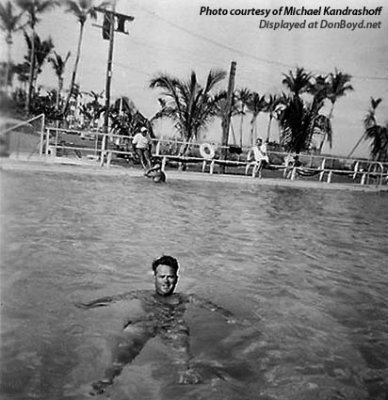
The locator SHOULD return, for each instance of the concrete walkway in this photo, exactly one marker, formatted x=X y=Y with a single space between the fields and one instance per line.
x=90 y=167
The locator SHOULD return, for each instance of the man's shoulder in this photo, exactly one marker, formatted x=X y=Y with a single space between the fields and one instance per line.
x=133 y=294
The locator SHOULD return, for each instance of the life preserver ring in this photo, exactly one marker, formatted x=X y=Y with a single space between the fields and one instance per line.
x=207 y=151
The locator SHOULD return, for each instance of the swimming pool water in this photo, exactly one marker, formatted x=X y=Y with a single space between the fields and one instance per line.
x=307 y=268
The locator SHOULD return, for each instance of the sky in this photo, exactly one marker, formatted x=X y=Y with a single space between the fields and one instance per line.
x=171 y=36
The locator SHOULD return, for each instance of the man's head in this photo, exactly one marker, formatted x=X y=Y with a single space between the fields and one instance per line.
x=144 y=131
x=259 y=141
x=166 y=275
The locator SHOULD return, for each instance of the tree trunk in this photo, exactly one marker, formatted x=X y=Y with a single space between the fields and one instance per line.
x=8 y=67
x=253 y=130
x=60 y=85
x=81 y=30
x=269 y=128
x=31 y=73
x=241 y=128
x=324 y=135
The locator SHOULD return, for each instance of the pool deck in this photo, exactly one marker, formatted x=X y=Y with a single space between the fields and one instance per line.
x=73 y=166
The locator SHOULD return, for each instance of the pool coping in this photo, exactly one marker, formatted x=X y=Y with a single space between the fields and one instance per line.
x=73 y=166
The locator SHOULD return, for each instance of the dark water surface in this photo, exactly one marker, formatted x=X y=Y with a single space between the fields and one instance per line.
x=307 y=268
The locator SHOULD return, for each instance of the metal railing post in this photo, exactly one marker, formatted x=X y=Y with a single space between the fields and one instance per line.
x=42 y=137
x=322 y=174
x=293 y=174
x=164 y=161
x=47 y=142
x=102 y=157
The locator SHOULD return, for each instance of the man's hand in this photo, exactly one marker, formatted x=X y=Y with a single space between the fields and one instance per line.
x=189 y=377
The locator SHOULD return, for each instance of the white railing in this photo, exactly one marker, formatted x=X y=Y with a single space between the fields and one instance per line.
x=323 y=166
x=28 y=123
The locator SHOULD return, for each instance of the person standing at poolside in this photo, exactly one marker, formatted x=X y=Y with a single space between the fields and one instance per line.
x=163 y=316
x=141 y=144
x=260 y=155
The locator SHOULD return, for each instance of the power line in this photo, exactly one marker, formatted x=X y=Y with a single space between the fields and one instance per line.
x=216 y=43
x=197 y=35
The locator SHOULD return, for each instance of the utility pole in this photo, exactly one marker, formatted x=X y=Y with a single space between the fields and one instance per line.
x=228 y=112
x=110 y=17
x=113 y=22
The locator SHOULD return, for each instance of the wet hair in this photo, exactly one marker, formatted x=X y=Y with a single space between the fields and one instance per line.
x=166 y=260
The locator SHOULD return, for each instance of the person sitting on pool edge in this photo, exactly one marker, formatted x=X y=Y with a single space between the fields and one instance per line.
x=156 y=173
x=260 y=155
x=163 y=316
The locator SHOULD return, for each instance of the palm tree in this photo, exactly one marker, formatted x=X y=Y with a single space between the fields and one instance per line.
x=9 y=23
x=221 y=108
x=300 y=119
x=33 y=8
x=297 y=83
x=95 y=106
x=82 y=9
x=296 y=122
x=275 y=105
x=243 y=96
x=256 y=104
x=377 y=133
x=22 y=70
x=42 y=51
x=190 y=105
x=58 y=63
x=370 y=117
x=337 y=86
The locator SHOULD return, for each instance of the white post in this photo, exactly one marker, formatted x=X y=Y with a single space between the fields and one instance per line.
x=211 y=167
x=102 y=150
x=293 y=174
x=329 y=177
x=41 y=137
x=95 y=144
x=254 y=170
x=203 y=165
x=363 y=179
x=157 y=149
x=56 y=145
x=356 y=167
x=47 y=141
x=164 y=161
x=321 y=175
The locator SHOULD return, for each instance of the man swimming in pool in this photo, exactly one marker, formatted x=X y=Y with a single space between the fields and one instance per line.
x=156 y=173
x=163 y=316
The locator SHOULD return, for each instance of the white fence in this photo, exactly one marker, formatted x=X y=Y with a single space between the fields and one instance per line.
x=104 y=148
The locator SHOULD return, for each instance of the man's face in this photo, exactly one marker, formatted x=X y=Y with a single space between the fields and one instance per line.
x=165 y=280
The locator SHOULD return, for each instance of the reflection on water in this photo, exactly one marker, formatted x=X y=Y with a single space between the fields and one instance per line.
x=307 y=268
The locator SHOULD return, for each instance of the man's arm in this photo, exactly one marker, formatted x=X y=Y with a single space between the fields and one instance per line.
x=105 y=301
x=134 y=141
x=210 y=306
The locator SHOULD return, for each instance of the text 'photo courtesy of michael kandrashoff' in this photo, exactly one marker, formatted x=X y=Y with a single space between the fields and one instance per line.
x=271 y=17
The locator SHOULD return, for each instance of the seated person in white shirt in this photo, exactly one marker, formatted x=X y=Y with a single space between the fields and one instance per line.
x=260 y=157
x=141 y=144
